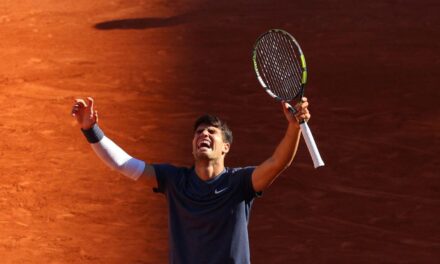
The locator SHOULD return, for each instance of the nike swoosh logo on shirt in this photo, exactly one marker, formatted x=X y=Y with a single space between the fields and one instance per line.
x=221 y=190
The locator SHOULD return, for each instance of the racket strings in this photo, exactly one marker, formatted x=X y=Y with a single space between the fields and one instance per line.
x=279 y=64
x=293 y=85
x=275 y=68
x=289 y=51
x=285 y=56
x=282 y=68
x=270 y=68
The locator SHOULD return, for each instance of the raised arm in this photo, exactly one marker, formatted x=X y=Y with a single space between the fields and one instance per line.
x=110 y=153
x=270 y=169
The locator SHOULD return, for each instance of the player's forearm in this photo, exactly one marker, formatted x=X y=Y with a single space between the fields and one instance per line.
x=286 y=149
x=282 y=157
x=112 y=155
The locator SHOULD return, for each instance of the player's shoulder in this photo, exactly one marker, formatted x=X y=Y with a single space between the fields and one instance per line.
x=240 y=170
x=168 y=168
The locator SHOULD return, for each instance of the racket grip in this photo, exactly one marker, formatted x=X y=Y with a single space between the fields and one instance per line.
x=311 y=145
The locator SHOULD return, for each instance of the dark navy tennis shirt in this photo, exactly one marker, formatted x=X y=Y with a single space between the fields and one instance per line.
x=207 y=219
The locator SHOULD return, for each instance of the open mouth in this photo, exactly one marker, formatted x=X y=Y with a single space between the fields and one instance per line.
x=204 y=144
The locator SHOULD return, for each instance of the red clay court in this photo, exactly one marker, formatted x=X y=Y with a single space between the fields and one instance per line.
x=154 y=66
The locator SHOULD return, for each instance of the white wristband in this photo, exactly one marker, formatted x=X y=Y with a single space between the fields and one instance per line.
x=117 y=159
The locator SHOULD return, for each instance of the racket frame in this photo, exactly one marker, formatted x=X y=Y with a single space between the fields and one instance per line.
x=302 y=60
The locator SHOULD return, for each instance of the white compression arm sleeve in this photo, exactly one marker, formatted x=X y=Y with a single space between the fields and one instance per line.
x=117 y=159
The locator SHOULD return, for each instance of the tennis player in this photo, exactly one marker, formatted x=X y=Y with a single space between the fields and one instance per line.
x=209 y=204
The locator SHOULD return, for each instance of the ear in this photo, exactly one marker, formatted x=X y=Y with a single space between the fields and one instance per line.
x=226 y=148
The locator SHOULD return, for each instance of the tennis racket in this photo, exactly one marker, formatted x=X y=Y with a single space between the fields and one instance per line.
x=280 y=66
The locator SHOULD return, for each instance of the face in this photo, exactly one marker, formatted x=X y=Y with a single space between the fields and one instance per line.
x=208 y=143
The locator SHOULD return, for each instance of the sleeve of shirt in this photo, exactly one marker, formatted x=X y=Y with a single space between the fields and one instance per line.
x=164 y=174
x=246 y=180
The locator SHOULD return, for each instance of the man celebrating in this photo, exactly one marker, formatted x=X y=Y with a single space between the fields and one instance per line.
x=209 y=204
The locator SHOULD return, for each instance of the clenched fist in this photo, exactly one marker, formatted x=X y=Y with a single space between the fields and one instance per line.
x=85 y=113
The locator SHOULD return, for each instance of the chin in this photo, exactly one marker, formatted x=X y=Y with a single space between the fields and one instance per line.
x=202 y=156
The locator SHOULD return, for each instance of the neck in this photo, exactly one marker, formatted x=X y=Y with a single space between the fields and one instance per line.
x=208 y=169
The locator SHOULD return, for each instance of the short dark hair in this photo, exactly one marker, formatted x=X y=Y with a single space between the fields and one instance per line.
x=215 y=121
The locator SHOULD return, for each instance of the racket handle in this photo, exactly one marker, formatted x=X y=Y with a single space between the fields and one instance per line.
x=311 y=145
